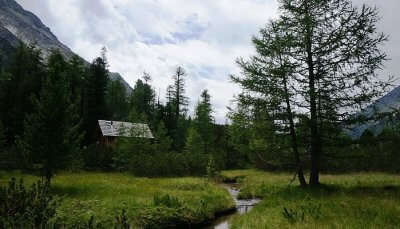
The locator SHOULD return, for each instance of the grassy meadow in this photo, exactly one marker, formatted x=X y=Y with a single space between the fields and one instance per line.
x=360 y=200
x=179 y=201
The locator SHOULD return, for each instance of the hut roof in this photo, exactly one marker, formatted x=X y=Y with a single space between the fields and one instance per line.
x=124 y=129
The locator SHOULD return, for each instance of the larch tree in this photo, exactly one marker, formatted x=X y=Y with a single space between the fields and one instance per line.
x=268 y=85
x=333 y=50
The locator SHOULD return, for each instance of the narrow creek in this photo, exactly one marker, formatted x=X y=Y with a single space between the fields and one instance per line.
x=242 y=207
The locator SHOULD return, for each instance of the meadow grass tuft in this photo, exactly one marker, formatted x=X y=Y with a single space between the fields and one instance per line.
x=360 y=200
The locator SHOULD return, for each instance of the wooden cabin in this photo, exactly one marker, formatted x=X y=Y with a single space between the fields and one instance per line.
x=111 y=130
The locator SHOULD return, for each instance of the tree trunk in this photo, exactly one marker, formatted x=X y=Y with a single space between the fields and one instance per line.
x=300 y=173
x=315 y=138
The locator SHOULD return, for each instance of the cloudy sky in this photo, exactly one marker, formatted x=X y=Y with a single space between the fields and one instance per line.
x=203 y=36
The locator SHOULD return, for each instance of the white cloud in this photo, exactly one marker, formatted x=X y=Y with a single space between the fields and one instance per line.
x=205 y=37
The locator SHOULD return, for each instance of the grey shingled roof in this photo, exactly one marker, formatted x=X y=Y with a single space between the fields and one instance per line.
x=125 y=129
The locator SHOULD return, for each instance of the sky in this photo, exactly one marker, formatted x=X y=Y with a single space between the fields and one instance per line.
x=203 y=36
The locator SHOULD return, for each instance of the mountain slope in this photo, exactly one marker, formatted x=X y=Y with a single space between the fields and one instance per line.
x=18 y=24
x=387 y=104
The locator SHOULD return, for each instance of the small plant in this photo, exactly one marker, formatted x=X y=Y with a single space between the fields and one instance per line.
x=298 y=214
x=293 y=215
x=312 y=209
x=212 y=171
x=26 y=208
x=122 y=221
x=166 y=201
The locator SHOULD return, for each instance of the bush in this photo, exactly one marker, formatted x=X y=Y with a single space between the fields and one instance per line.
x=26 y=208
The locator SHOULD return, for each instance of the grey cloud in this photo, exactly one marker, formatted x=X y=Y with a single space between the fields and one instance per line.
x=389 y=24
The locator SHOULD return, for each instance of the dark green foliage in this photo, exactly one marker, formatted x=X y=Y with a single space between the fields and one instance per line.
x=367 y=138
x=142 y=101
x=117 y=100
x=2 y=138
x=21 y=79
x=98 y=157
x=197 y=159
x=94 y=103
x=164 y=142
x=204 y=121
x=239 y=134
x=370 y=153
x=77 y=74
x=26 y=208
x=176 y=109
x=51 y=132
x=269 y=149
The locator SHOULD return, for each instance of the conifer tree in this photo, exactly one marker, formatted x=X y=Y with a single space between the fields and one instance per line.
x=94 y=97
x=164 y=141
x=21 y=79
x=177 y=106
x=142 y=99
x=329 y=55
x=117 y=101
x=204 y=121
x=51 y=131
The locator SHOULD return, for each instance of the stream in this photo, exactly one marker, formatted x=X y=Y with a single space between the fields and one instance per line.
x=242 y=207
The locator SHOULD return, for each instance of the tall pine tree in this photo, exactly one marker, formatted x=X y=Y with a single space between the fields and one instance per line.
x=95 y=107
x=51 y=131
x=22 y=78
x=204 y=121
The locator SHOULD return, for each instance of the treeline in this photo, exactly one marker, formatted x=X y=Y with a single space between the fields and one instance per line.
x=268 y=146
x=50 y=111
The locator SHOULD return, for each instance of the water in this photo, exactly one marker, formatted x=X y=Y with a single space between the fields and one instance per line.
x=242 y=207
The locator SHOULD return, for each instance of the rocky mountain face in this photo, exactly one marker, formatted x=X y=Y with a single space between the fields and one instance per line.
x=17 y=24
x=387 y=104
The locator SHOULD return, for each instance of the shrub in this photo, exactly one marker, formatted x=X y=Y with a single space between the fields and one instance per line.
x=26 y=208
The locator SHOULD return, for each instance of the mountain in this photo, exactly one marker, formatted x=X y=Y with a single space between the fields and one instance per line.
x=387 y=104
x=17 y=24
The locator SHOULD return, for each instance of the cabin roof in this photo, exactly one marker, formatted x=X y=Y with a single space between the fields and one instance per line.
x=124 y=129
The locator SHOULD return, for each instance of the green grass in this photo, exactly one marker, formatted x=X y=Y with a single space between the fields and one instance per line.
x=104 y=195
x=362 y=200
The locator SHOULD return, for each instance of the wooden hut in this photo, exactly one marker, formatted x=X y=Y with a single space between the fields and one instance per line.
x=110 y=130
